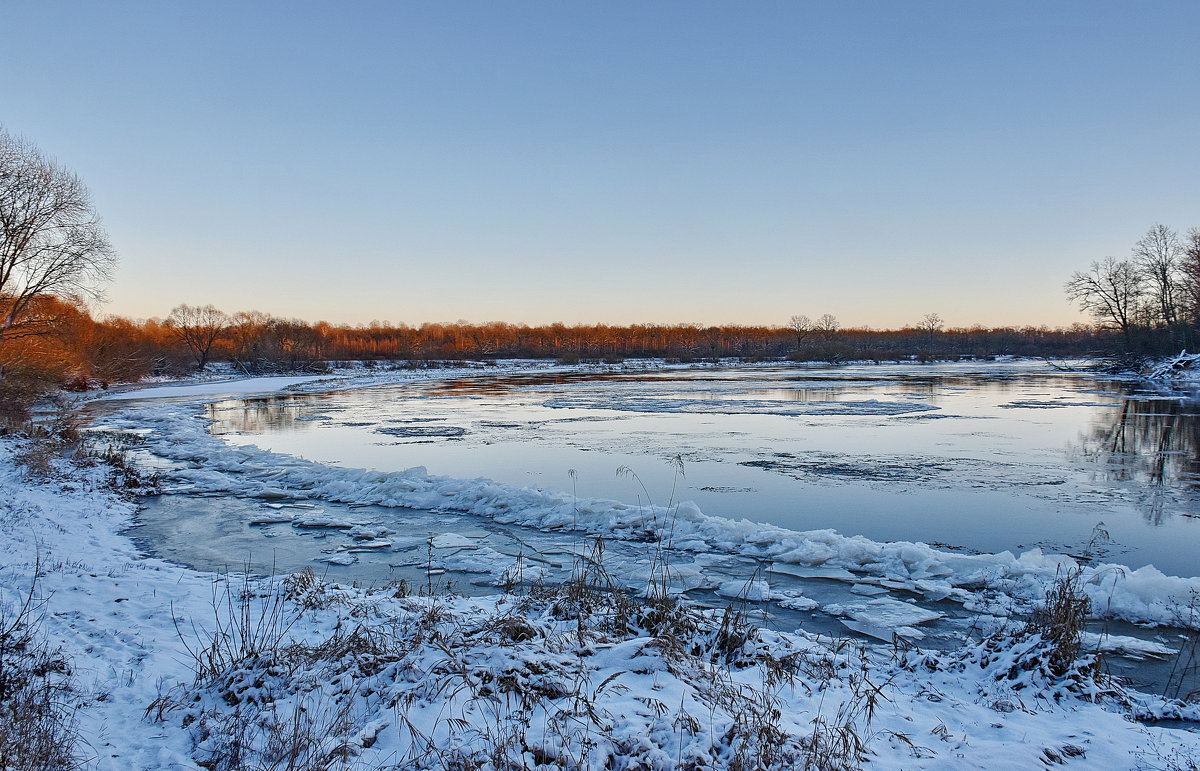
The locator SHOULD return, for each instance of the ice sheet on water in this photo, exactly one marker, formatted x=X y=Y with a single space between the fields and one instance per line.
x=362 y=546
x=754 y=590
x=322 y=520
x=883 y=631
x=868 y=590
x=801 y=571
x=484 y=560
x=735 y=406
x=1034 y=404
x=244 y=386
x=338 y=559
x=452 y=541
x=884 y=612
x=946 y=472
x=1124 y=645
x=272 y=518
x=421 y=431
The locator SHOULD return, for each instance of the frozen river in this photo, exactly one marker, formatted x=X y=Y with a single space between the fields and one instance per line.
x=975 y=457
x=927 y=501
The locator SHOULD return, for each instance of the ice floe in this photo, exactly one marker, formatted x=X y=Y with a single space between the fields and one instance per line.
x=735 y=406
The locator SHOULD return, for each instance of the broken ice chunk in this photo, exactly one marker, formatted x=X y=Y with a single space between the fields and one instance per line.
x=318 y=520
x=452 y=541
x=885 y=612
x=270 y=519
x=868 y=590
x=1130 y=647
x=885 y=633
x=338 y=559
x=755 y=590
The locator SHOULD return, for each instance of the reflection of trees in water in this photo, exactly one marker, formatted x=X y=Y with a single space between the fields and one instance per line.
x=274 y=413
x=1154 y=444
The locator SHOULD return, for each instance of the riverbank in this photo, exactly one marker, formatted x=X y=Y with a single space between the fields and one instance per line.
x=544 y=675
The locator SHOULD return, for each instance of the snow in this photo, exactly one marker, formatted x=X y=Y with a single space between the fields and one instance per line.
x=244 y=387
x=1181 y=371
x=126 y=622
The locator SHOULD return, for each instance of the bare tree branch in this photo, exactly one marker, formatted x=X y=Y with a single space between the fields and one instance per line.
x=1110 y=291
x=51 y=240
x=1159 y=255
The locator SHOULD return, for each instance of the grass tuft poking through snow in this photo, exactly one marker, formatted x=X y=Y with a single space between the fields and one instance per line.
x=576 y=676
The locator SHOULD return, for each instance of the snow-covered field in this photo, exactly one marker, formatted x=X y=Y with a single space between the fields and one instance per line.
x=545 y=676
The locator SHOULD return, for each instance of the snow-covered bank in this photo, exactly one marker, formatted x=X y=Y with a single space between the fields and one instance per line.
x=217 y=388
x=225 y=385
x=108 y=609
x=377 y=680
x=381 y=679
x=1182 y=371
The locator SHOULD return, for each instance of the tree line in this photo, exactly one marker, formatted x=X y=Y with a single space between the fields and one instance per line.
x=85 y=350
x=1151 y=298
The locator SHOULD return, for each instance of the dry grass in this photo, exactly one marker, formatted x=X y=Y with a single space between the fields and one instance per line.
x=1183 y=681
x=1060 y=619
x=512 y=688
x=249 y=622
x=37 y=701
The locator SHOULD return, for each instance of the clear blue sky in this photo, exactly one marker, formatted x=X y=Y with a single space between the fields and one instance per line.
x=614 y=161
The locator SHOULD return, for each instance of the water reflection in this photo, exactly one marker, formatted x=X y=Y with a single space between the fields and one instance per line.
x=281 y=412
x=1154 y=445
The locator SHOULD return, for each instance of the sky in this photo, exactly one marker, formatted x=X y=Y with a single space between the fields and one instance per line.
x=616 y=162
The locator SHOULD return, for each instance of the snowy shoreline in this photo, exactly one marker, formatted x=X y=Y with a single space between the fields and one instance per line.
x=115 y=612
x=1000 y=583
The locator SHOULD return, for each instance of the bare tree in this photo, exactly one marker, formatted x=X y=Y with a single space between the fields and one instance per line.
x=51 y=241
x=247 y=333
x=1110 y=291
x=803 y=327
x=827 y=326
x=930 y=324
x=1191 y=277
x=1159 y=255
x=198 y=327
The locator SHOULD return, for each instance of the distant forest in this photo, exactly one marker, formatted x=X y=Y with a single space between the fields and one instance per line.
x=81 y=351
